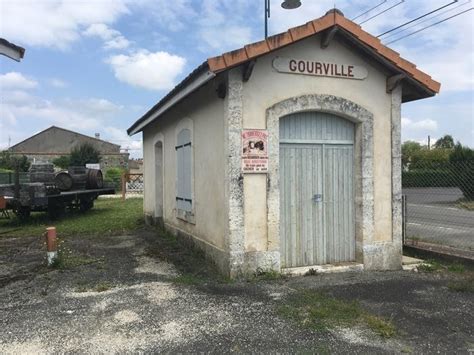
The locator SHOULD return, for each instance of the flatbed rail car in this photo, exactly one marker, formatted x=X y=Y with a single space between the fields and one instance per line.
x=56 y=204
x=54 y=192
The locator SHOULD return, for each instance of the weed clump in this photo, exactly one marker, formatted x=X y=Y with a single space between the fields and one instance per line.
x=318 y=311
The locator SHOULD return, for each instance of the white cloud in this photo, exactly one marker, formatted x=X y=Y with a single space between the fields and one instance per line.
x=119 y=42
x=21 y=114
x=149 y=70
x=101 y=30
x=120 y=136
x=54 y=23
x=113 y=39
x=422 y=125
x=223 y=26
x=15 y=80
x=229 y=37
x=172 y=15
x=57 y=83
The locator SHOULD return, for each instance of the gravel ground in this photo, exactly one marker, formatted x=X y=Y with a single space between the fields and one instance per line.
x=118 y=297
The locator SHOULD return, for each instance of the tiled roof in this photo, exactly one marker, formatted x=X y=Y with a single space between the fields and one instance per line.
x=332 y=18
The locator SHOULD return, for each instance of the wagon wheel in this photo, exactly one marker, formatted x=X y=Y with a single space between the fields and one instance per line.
x=85 y=205
x=63 y=181
x=55 y=210
x=22 y=212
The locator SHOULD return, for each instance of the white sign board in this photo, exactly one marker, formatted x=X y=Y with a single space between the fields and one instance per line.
x=254 y=151
x=93 y=166
x=318 y=68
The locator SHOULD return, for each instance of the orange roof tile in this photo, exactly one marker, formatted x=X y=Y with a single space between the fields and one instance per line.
x=332 y=18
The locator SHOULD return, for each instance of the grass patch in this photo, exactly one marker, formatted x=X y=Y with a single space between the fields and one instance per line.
x=464 y=285
x=267 y=275
x=456 y=267
x=318 y=311
x=103 y=286
x=66 y=260
x=100 y=287
x=430 y=266
x=108 y=217
x=466 y=204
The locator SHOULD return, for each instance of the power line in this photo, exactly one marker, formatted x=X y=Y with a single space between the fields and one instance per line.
x=369 y=10
x=419 y=17
x=433 y=24
x=428 y=19
x=382 y=12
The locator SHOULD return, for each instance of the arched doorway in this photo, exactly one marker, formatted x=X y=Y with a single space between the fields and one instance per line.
x=317 y=217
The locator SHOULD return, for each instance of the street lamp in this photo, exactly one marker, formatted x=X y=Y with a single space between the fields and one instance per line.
x=286 y=4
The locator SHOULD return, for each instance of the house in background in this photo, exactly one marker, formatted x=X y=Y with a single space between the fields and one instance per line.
x=135 y=166
x=286 y=153
x=54 y=142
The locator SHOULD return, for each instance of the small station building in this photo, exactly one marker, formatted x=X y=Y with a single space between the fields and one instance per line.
x=286 y=153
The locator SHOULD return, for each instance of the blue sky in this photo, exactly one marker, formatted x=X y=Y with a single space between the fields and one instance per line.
x=98 y=65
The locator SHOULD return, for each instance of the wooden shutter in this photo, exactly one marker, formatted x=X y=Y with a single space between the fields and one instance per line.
x=184 y=171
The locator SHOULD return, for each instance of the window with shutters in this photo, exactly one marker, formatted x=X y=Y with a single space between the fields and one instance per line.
x=184 y=190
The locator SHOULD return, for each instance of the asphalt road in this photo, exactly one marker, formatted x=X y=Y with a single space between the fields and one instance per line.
x=432 y=216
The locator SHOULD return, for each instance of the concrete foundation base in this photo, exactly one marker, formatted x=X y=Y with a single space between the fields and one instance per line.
x=382 y=256
x=324 y=269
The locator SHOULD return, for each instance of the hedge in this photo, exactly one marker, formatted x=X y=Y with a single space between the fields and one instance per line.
x=429 y=178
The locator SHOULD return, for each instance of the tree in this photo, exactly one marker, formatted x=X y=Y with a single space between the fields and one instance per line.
x=9 y=161
x=462 y=169
x=84 y=154
x=445 y=142
x=62 y=162
x=409 y=149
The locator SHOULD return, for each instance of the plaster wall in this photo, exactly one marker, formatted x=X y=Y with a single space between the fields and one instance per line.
x=203 y=113
x=267 y=87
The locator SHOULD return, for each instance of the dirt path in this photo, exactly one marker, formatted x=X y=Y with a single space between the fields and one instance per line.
x=144 y=293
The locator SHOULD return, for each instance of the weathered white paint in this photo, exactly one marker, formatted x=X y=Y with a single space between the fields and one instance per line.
x=236 y=216
x=267 y=87
x=202 y=113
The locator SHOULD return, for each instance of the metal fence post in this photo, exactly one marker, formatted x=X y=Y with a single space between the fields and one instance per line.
x=404 y=218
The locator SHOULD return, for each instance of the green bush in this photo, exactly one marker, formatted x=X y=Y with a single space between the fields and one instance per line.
x=430 y=159
x=114 y=175
x=462 y=164
x=9 y=161
x=62 y=162
x=428 y=178
x=84 y=154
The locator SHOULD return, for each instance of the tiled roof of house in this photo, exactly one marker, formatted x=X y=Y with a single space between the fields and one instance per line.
x=332 y=18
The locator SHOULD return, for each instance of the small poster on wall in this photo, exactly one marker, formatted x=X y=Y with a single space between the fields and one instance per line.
x=254 y=151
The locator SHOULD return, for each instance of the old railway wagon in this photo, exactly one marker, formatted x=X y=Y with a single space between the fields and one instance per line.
x=285 y=153
x=54 y=192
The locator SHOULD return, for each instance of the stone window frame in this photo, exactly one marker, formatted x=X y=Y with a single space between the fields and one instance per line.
x=363 y=164
x=187 y=216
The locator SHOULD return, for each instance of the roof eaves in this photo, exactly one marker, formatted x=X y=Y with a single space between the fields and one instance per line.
x=192 y=82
